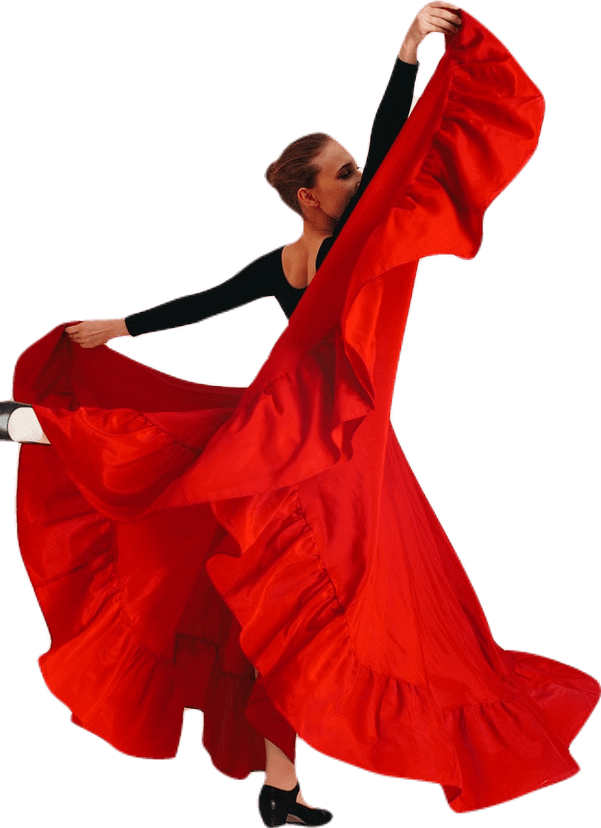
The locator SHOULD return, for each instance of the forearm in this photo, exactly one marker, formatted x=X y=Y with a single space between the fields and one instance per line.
x=408 y=51
x=188 y=310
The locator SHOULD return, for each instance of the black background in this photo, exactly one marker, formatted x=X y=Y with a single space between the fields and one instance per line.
x=135 y=174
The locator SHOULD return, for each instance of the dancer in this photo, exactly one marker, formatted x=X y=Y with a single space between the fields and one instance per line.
x=297 y=500
x=318 y=179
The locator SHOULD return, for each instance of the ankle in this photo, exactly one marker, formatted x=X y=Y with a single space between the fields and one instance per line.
x=280 y=771
x=285 y=781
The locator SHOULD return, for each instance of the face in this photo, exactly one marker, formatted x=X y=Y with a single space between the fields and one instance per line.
x=335 y=184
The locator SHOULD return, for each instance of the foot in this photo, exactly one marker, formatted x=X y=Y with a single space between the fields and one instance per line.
x=286 y=783
x=301 y=799
x=18 y=422
x=278 y=806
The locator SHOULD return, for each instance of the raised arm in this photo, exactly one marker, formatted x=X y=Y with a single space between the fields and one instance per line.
x=396 y=103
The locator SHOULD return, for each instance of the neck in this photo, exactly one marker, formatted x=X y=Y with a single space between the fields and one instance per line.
x=316 y=230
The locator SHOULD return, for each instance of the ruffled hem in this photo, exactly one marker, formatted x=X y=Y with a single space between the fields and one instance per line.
x=138 y=632
x=157 y=510
x=513 y=741
x=133 y=697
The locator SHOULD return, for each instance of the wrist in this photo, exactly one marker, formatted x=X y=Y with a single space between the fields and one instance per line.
x=119 y=328
x=408 y=51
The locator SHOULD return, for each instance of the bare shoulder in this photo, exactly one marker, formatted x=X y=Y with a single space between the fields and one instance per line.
x=296 y=264
x=299 y=261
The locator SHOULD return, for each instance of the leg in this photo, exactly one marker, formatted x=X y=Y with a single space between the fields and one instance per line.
x=280 y=772
x=280 y=800
x=20 y=424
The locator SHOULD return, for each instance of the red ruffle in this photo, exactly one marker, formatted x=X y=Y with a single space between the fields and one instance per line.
x=280 y=526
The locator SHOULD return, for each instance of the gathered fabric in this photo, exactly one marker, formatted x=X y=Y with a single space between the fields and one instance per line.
x=178 y=535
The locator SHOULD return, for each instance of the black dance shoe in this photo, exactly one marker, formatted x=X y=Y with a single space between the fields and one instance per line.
x=277 y=807
x=6 y=409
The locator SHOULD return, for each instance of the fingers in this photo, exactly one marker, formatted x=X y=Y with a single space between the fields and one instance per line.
x=442 y=9
x=81 y=335
x=440 y=19
x=443 y=14
x=74 y=332
x=442 y=25
x=95 y=332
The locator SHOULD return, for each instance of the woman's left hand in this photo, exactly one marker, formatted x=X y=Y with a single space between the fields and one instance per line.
x=96 y=332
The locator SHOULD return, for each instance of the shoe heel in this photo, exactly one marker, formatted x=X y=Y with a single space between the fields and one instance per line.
x=273 y=812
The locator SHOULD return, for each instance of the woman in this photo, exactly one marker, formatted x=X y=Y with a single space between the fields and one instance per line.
x=319 y=179
x=353 y=607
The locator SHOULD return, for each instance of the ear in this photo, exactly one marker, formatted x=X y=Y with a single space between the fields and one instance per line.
x=306 y=198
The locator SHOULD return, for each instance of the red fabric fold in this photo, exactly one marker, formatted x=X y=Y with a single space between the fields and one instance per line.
x=178 y=535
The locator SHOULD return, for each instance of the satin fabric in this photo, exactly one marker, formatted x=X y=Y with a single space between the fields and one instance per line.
x=178 y=535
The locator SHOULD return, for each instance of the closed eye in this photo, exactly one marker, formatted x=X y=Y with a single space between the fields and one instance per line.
x=348 y=172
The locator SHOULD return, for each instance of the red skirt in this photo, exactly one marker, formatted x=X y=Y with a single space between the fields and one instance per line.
x=179 y=535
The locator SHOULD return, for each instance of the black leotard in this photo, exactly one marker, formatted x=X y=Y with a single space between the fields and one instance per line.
x=265 y=276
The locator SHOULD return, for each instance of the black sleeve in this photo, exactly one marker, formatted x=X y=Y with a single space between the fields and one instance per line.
x=252 y=282
x=391 y=116
x=260 y=277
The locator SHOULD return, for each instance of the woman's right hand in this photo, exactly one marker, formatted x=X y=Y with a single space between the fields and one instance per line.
x=96 y=332
x=435 y=17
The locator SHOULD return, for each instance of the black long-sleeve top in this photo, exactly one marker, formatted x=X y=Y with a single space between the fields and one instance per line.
x=265 y=276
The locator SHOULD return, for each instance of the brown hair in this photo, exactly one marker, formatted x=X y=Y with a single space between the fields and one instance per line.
x=295 y=168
